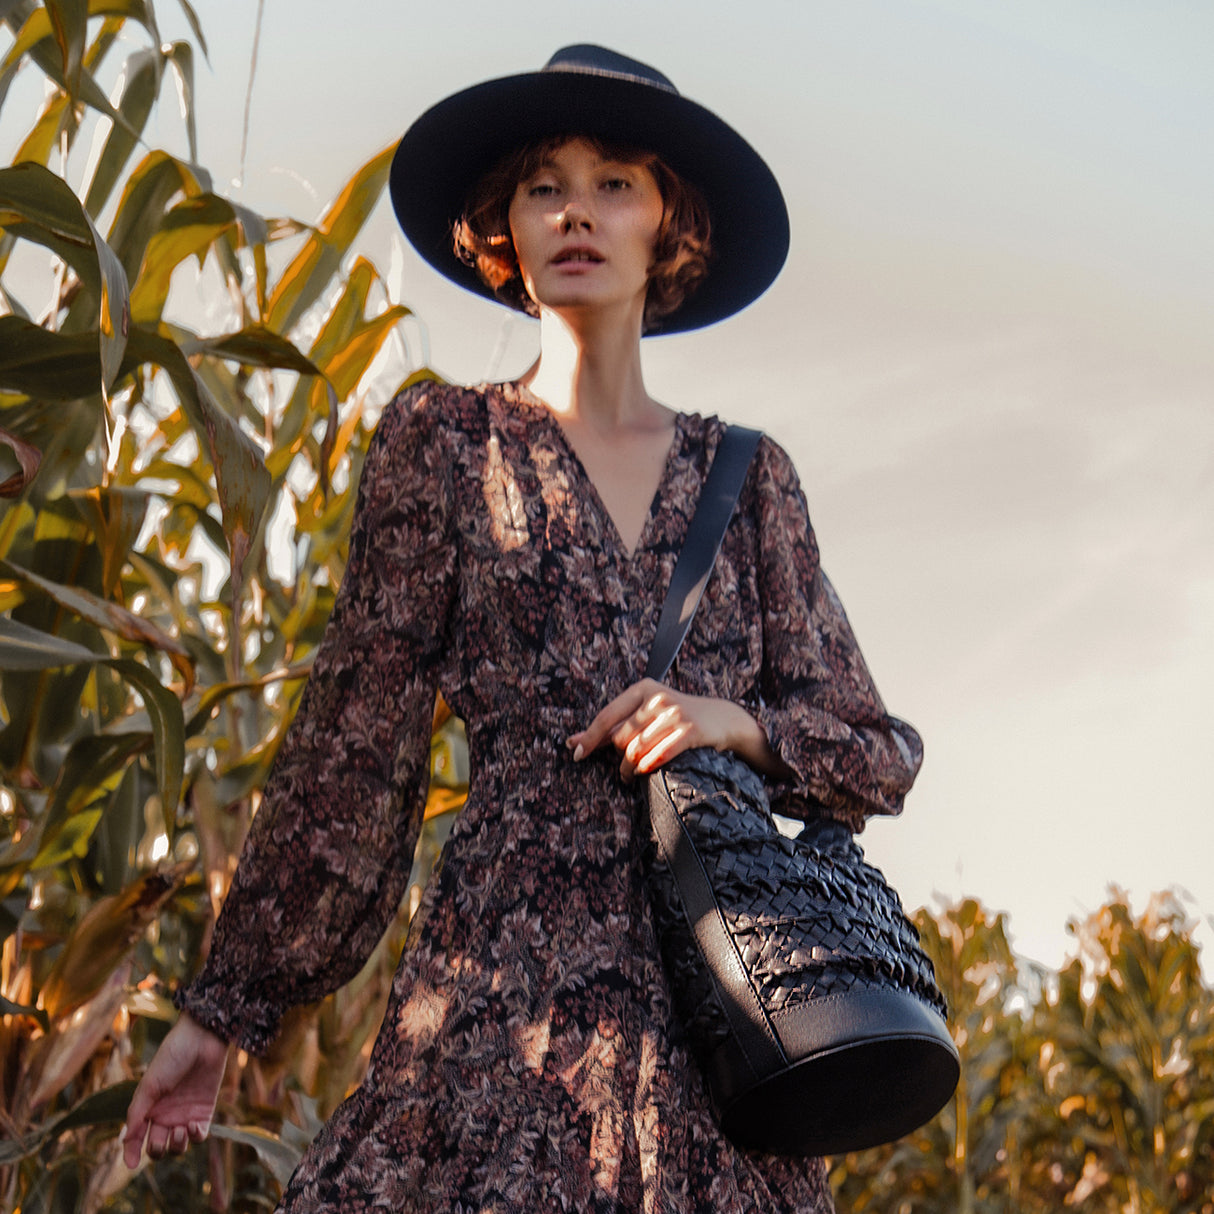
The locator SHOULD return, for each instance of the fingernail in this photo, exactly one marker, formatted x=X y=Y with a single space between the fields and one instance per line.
x=578 y=752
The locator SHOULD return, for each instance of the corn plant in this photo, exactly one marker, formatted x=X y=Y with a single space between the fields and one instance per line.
x=183 y=418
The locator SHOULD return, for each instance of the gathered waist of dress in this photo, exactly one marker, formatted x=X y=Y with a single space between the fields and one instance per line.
x=523 y=725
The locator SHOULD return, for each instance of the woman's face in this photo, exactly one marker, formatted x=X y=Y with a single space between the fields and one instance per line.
x=584 y=230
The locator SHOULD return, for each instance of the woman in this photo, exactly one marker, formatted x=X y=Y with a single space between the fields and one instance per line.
x=512 y=546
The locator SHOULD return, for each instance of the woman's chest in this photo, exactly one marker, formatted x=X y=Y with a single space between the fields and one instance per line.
x=546 y=582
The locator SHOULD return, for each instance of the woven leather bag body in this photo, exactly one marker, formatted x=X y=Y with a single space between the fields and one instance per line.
x=801 y=985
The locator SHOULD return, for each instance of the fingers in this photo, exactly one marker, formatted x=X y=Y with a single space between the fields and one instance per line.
x=610 y=718
x=132 y=1142
x=136 y=1128
x=162 y=1138
x=667 y=736
x=648 y=724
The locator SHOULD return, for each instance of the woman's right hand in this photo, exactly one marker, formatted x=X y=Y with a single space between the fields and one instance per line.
x=175 y=1100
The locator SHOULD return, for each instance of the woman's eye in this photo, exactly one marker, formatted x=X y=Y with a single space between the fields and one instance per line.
x=617 y=183
x=542 y=190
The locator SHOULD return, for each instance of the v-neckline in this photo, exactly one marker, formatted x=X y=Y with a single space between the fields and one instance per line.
x=592 y=490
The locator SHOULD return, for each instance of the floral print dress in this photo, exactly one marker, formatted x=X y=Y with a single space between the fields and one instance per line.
x=529 y=1062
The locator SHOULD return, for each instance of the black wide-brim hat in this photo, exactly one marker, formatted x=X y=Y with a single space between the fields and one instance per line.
x=589 y=90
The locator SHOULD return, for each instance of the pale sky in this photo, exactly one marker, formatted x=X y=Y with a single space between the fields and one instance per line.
x=989 y=355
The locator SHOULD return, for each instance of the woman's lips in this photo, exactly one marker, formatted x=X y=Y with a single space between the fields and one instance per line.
x=577 y=256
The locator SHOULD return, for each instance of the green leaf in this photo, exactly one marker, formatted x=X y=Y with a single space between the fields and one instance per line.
x=111 y=27
x=350 y=363
x=26 y=648
x=26 y=457
x=242 y=482
x=101 y=1108
x=134 y=10
x=181 y=56
x=107 y=615
x=152 y=184
x=93 y=766
x=115 y=515
x=36 y=39
x=195 y=26
x=43 y=136
x=33 y=193
x=114 y=321
x=281 y=1158
x=218 y=692
x=313 y=267
x=69 y=23
x=141 y=83
x=46 y=365
x=339 y=325
x=257 y=346
x=168 y=733
x=49 y=213
x=71 y=840
x=188 y=230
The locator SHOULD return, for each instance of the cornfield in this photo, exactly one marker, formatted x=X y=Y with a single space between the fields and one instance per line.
x=187 y=389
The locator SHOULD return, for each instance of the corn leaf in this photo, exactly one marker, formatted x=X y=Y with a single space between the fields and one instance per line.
x=141 y=83
x=60 y=1056
x=188 y=230
x=101 y=1108
x=195 y=26
x=9 y=1008
x=256 y=346
x=279 y=1157
x=104 y=938
x=92 y=769
x=168 y=733
x=36 y=38
x=348 y=364
x=218 y=692
x=181 y=56
x=70 y=841
x=313 y=267
x=151 y=186
x=242 y=482
x=27 y=459
x=69 y=24
x=43 y=137
x=26 y=648
x=110 y=616
x=31 y=192
x=116 y=516
x=49 y=213
x=52 y=366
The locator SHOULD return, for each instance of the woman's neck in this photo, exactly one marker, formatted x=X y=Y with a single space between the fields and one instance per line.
x=592 y=375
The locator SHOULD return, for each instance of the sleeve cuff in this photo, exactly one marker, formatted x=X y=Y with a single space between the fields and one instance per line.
x=250 y=1023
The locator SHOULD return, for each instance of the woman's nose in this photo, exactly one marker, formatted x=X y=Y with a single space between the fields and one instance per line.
x=575 y=215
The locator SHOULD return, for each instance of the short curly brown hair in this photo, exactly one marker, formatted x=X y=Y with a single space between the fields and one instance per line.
x=681 y=254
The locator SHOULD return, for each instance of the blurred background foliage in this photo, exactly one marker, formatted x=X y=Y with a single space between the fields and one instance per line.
x=186 y=393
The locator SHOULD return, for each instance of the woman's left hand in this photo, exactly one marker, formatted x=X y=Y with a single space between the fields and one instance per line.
x=650 y=723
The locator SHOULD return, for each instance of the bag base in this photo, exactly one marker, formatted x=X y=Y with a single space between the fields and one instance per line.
x=871 y=1085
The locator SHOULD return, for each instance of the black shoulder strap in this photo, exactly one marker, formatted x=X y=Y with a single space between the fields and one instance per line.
x=703 y=542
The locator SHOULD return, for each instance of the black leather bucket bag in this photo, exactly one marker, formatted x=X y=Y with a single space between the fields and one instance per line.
x=806 y=998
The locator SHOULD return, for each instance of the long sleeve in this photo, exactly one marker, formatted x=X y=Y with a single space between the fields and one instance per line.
x=820 y=707
x=330 y=849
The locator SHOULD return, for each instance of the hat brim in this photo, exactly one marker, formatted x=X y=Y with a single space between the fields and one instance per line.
x=452 y=145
